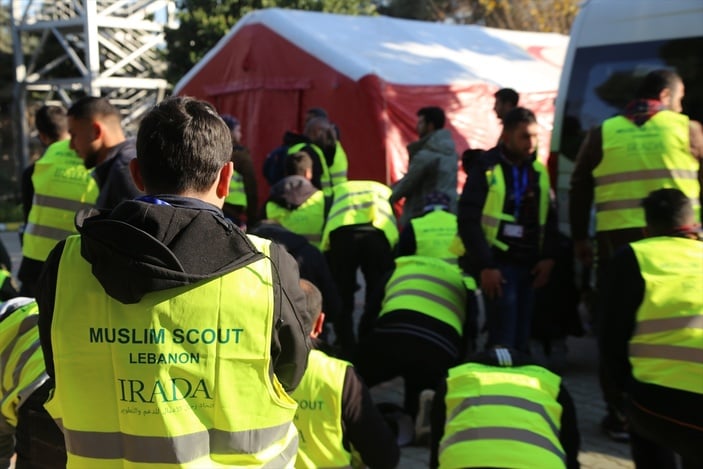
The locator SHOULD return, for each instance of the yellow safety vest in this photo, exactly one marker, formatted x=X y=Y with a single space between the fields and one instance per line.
x=493 y=215
x=434 y=235
x=62 y=186
x=307 y=220
x=360 y=202
x=338 y=170
x=638 y=160
x=429 y=286
x=325 y=176
x=21 y=357
x=502 y=417
x=237 y=195
x=179 y=379
x=319 y=415
x=666 y=348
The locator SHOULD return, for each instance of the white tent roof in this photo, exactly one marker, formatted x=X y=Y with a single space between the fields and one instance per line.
x=408 y=52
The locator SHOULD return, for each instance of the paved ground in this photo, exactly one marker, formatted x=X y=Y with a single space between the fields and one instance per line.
x=597 y=451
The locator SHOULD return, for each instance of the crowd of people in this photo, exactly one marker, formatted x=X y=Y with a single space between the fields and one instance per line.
x=167 y=317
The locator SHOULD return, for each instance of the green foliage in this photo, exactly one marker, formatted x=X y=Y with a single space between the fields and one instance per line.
x=204 y=22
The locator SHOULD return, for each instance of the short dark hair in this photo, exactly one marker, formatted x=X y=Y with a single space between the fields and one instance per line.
x=666 y=210
x=657 y=81
x=298 y=163
x=507 y=95
x=90 y=107
x=51 y=121
x=182 y=144
x=317 y=112
x=313 y=300
x=433 y=115
x=517 y=116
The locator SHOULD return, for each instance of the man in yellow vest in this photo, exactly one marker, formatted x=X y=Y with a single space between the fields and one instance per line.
x=652 y=333
x=323 y=133
x=432 y=233
x=360 y=233
x=413 y=327
x=60 y=186
x=499 y=409
x=295 y=202
x=336 y=418
x=507 y=222
x=27 y=429
x=649 y=146
x=172 y=337
x=241 y=205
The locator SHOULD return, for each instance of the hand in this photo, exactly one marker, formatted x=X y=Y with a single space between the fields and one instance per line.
x=541 y=272
x=491 y=283
x=583 y=250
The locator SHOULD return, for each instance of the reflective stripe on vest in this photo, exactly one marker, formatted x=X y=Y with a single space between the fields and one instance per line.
x=237 y=195
x=361 y=202
x=62 y=186
x=307 y=220
x=319 y=415
x=666 y=348
x=21 y=357
x=493 y=209
x=514 y=405
x=338 y=170
x=434 y=234
x=429 y=286
x=183 y=375
x=639 y=159
x=325 y=177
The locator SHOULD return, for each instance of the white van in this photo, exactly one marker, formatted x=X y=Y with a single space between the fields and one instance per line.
x=613 y=44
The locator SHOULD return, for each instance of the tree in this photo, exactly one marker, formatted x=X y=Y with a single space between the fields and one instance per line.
x=524 y=15
x=204 y=22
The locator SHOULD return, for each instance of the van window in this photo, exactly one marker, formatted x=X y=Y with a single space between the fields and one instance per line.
x=604 y=79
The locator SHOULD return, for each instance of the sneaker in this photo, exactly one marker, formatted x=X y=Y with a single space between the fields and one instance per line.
x=614 y=426
x=422 y=421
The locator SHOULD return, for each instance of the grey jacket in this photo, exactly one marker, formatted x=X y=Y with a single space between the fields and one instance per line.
x=432 y=166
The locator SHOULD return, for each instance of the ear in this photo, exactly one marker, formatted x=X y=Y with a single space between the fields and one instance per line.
x=136 y=173
x=98 y=129
x=222 y=189
x=665 y=96
x=318 y=326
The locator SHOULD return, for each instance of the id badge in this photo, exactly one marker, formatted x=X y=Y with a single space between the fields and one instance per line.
x=512 y=230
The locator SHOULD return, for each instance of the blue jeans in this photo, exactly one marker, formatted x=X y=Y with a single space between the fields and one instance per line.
x=509 y=317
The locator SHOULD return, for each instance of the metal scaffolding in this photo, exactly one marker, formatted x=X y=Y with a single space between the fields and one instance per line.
x=65 y=49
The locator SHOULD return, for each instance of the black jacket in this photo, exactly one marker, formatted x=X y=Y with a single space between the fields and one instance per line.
x=479 y=254
x=141 y=247
x=113 y=177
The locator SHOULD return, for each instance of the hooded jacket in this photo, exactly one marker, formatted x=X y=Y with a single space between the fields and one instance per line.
x=142 y=247
x=291 y=192
x=432 y=166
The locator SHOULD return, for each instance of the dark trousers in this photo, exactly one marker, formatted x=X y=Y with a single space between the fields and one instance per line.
x=352 y=248
x=39 y=442
x=509 y=316
x=655 y=439
x=383 y=356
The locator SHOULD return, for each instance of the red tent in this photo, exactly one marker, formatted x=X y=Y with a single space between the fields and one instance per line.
x=372 y=74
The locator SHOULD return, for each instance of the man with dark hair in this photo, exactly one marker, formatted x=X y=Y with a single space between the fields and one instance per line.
x=506 y=100
x=165 y=305
x=59 y=185
x=96 y=132
x=241 y=205
x=432 y=166
x=335 y=411
x=295 y=202
x=507 y=222
x=651 y=340
x=649 y=146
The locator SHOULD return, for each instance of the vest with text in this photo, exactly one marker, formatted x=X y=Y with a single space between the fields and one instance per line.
x=434 y=235
x=180 y=378
x=638 y=160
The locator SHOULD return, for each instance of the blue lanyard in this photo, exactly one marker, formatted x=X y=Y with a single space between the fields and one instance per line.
x=519 y=187
x=152 y=200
